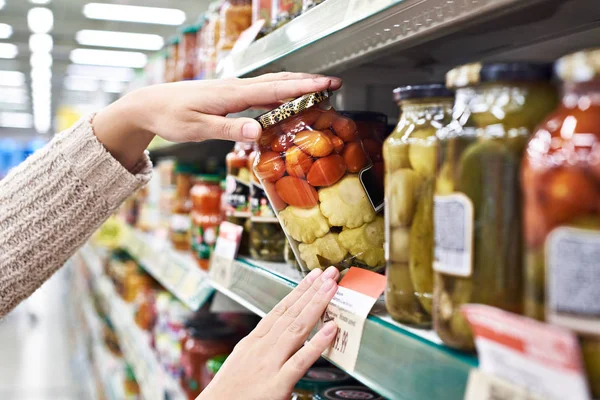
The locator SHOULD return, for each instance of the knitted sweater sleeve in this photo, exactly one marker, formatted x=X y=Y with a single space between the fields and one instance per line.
x=52 y=203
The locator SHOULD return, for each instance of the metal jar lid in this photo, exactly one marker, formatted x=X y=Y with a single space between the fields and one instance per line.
x=292 y=108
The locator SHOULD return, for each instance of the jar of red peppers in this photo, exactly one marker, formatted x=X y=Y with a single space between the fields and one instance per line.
x=188 y=56
x=561 y=186
x=237 y=192
x=316 y=174
x=204 y=339
x=206 y=217
x=236 y=17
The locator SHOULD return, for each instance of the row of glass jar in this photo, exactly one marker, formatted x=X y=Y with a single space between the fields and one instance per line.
x=493 y=198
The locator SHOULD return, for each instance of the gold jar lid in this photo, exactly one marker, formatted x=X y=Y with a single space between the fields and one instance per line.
x=582 y=66
x=292 y=108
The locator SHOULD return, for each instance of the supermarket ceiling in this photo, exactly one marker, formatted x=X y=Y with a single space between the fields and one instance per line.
x=42 y=71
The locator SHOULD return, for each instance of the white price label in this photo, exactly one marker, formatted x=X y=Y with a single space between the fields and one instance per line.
x=344 y=350
x=221 y=270
x=453 y=217
x=482 y=386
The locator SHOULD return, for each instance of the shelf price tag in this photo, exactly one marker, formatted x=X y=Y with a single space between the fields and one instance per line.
x=541 y=358
x=482 y=386
x=357 y=293
x=226 y=248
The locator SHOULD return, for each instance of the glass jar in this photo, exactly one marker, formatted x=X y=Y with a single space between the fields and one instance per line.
x=561 y=188
x=200 y=47
x=145 y=310
x=317 y=379
x=236 y=17
x=206 y=217
x=262 y=9
x=172 y=59
x=211 y=39
x=212 y=367
x=290 y=257
x=308 y=4
x=186 y=65
x=203 y=340
x=180 y=222
x=410 y=159
x=267 y=240
x=347 y=392
x=238 y=191
x=477 y=211
x=315 y=172
x=283 y=11
x=131 y=389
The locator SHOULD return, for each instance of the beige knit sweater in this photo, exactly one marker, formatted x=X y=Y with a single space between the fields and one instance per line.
x=53 y=202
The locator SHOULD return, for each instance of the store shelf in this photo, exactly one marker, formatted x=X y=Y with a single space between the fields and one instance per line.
x=177 y=271
x=203 y=154
x=154 y=382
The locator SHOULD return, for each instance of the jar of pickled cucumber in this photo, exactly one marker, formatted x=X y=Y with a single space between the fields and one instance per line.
x=410 y=155
x=267 y=240
x=477 y=207
x=561 y=188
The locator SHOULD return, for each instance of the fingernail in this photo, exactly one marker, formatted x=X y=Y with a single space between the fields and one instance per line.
x=329 y=328
x=324 y=80
x=250 y=131
x=329 y=273
x=312 y=276
x=327 y=285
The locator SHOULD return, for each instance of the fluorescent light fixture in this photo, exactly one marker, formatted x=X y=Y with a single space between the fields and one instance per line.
x=40 y=43
x=13 y=95
x=12 y=78
x=41 y=74
x=122 y=40
x=8 y=50
x=148 y=15
x=81 y=84
x=102 y=73
x=41 y=2
x=109 y=58
x=15 y=120
x=2 y=3
x=41 y=60
x=40 y=20
x=6 y=31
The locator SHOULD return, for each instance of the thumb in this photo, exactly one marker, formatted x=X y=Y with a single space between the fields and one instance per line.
x=235 y=129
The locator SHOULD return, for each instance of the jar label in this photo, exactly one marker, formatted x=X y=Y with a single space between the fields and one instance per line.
x=259 y=205
x=237 y=194
x=573 y=278
x=204 y=239
x=453 y=234
x=180 y=223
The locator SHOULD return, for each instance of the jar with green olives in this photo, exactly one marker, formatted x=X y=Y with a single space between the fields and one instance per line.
x=410 y=156
x=477 y=207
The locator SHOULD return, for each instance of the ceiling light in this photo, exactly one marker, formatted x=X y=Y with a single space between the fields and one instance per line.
x=12 y=78
x=109 y=58
x=13 y=95
x=122 y=40
x=6 y=31
x=40 y=43
x=41 y=60
x=149 y=15
x=42 y=2
x=102 y=73
x=2 y=3
x=40 y=73
x=40 y=20
x=8 y=50
x=15 y=120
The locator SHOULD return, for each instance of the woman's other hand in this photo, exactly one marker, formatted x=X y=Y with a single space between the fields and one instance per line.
x=193 y=111
x=267 y=364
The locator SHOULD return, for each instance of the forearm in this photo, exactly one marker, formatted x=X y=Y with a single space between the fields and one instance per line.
x=52 y=203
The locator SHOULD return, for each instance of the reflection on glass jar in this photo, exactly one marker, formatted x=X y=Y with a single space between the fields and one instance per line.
x=316 y=173
x=410 y=160
x=561 y=188
x=477 y=212
x=237 y=192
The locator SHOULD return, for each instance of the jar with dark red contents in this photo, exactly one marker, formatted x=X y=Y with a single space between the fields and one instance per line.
x=237 y=191
x=206 y=217
x=172 y=60
x=188 y=56
x=320 y=182
x=561 y=186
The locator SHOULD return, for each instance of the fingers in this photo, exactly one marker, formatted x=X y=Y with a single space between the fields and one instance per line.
x=235 y=129
x=295 y=368
x=295 y=326
x=280 y=76
x=281 y=308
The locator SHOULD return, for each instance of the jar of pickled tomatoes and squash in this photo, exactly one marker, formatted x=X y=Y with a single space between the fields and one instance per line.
x=315 y=172
x=561 y=187
x=477 y=207
x=267 y=240
x=237 y=192
x=410 y=154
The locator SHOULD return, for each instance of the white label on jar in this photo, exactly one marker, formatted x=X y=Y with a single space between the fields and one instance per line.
x=573 y=278
x=180 y=223
x=453 y=234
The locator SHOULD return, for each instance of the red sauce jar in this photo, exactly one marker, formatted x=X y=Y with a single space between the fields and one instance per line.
x=188 y=56
x=206 y=217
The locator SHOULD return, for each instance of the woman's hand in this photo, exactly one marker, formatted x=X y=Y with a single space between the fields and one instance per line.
x=193 y=111
x=267 y=364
